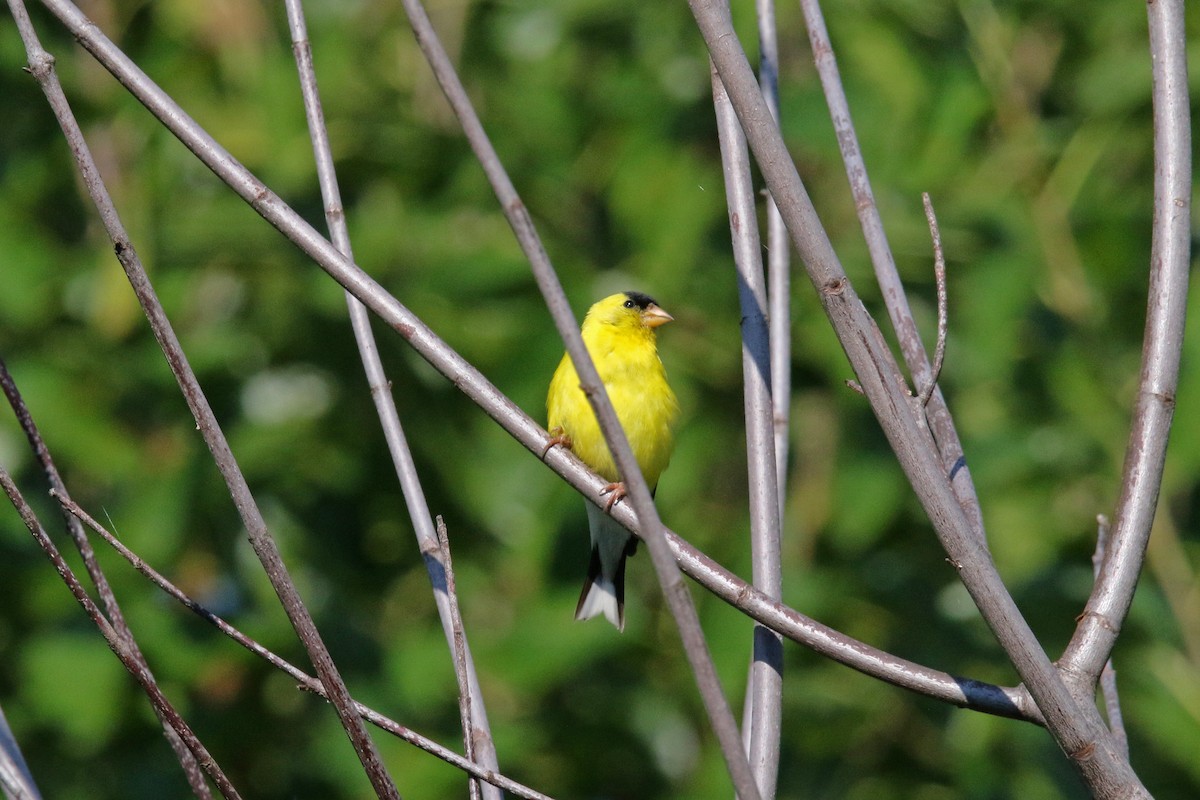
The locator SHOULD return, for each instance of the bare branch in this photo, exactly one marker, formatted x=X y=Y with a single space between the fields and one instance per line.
x=117 y=643
x=306 y=681
x=1154 y=407
x=962 y=692
x=1079 y=730
x=183 y=754
x=779 y=267
x=41 y=66
x=762 y=727
x=480 y=746
x=1108 y=676
x=457 y=370
x=460 y=650
x=939 y=272
x=260 y=538
x=15 y=779
x=673 y=587
x=518 y=424
x=940 y=421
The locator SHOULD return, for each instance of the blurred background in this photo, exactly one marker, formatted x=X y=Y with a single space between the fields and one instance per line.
x=1029 y=124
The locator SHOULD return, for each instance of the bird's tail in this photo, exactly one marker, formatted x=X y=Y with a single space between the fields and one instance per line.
x=604 y=590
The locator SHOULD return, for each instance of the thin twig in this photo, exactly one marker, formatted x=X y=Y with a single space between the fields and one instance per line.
x=187 y=761
x=480 y=746
x=678 y=599
x=1108 y=675
x=1094 y=637
x=15 y=779
x=939 y=271
x=307 y=682
x=117 y=643
x=779 y=266
x=938 y=415
x=1112 y=707
x=1013 y=703
x=460 y=650
x=260 y=537
x=1078 y=729
x=762 y=726
x=527 y=432
x=41 y=66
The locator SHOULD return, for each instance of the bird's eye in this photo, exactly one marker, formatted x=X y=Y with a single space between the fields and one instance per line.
x=629 y=304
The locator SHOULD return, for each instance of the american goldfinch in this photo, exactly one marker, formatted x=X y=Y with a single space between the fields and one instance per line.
x=619 y=332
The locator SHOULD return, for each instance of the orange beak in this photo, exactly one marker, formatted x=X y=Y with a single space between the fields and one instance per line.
x=654 y=316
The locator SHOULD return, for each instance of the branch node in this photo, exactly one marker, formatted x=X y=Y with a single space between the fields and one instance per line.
x=835 y=287
x=1166 y=398
x=1084 y=753
x=1101 y=619
x=40 y=65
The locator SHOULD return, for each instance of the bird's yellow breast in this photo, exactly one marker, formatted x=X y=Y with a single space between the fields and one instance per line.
x=632 y=373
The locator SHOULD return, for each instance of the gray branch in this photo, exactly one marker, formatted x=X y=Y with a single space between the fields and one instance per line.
x=1078 y=729
x=939 y=272
x=764 y=688
x=260 y=538
x=779 y=266
x=1154 y=406
x=499 y=407
x=894 y=296
x=305 y=681
x=1108 y=675
x=476 y=731
x=116 y=642
x=670 y=580
x=15 y=778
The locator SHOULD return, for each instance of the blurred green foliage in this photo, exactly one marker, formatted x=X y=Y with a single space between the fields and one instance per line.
x=1029 y=123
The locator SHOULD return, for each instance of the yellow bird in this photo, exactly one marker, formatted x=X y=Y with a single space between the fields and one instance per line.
x=619 y=332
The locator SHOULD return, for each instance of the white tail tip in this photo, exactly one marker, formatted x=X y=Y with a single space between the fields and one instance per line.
x=601 y=599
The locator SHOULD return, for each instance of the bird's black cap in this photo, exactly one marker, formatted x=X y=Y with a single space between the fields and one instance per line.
x=642 y=301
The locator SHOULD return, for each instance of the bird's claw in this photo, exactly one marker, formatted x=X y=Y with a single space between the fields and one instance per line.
x=557 y=437
x=617 y=490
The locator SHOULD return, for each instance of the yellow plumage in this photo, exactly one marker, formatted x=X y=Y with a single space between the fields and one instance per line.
x=619 y=332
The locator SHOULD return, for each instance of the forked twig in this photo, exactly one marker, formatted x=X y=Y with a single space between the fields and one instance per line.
x=1077 y=728
x=307 y=682
x=915 y=358
x=187 y=760
x=476 y=731
x=1094 y=637
x=460 y=649
x=117 y=643
x=1108 y=675
x=260 y=538
x=653 y=531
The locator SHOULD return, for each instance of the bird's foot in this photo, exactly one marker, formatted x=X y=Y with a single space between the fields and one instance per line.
x=617 y=490
x=557 y=437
